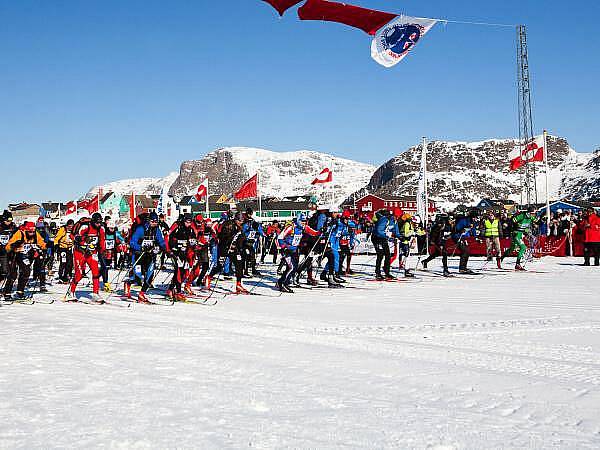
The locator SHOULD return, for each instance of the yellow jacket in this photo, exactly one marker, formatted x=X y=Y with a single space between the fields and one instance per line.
x=63 y=239
x=20 y=243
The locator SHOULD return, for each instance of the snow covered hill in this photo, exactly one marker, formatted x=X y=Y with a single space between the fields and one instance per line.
x=465 y=172
x=140 y=186
x=281 y=174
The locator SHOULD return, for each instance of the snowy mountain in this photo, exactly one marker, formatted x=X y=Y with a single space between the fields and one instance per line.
x=465 y=172
x=140 y=186
x=281 y=174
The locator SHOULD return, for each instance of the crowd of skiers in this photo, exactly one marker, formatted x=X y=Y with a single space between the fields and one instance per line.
x=201 y=250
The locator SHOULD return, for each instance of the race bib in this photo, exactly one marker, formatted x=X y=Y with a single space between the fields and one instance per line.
x=91 y=240
x=4 y=238
x=147 y=243
x=27 y=248
x=110 y=244
x=26 y=261
x=296 y=240
x=182 y=244
x=193 y=242
x=251 y=235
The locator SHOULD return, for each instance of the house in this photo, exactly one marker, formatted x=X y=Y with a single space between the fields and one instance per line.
x=498 y=205
x=371 y=203
x=272 y=208
x=564 y=205
x=24 y=211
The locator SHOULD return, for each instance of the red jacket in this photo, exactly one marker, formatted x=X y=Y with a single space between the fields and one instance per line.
x=90 y=239
x=592 y=228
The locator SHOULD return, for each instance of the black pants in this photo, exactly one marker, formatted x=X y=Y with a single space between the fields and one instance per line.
x=250 y=259
x=39 y=269
x=345 y=255
x=438 y=250
x=291 y=265
x=19 y=267
x=238 y=262
x=591 y=249
x=3 y=267
x=65 y=264
x=463 y=246
x=382 y=249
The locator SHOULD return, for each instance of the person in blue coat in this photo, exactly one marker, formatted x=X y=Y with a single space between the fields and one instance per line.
x=253 y=231
x=463 y=229
x=336 y=229
x=385 y=230
x=146 y=242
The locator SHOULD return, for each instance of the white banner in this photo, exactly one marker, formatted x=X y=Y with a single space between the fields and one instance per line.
x=394 y=40
x=422 y=206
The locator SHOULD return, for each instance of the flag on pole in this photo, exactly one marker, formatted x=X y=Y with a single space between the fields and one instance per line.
x=422 y=206
x=282 y=5
x=396 y=39
x=202 y=190
x=530 y=152
x=71 y=208
x=222 y=199
x=161 y=207
x=94 y=204
x=248 y=190
x=325 y=176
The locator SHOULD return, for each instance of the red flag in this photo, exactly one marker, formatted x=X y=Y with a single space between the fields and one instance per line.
x=326 y=176
x=368 y=20
x=94 y=204
x=249 y=189
x=282 y=5
x=202 y=191
x=533 y=151
x=71 y=208
x=83 y=204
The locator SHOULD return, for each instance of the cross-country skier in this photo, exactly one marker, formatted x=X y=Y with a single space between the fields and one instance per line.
x=23 y=248
x=181 y=235
x=231 y=245
x=112 y=240
x=288 y=241
x=441 y=230
x=88 y=243
x=347 y=236
x=334 y=231
x=591 y=227
x=63 y=244
x=407 y=235
x=385 y=230
x=253 y=231
x=201 y=254
x=7 y=229
x=463 y=229
x=146 y=242
x=522 y=226
x=270 y=247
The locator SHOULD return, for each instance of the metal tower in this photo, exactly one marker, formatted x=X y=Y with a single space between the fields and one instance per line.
x=528 y=178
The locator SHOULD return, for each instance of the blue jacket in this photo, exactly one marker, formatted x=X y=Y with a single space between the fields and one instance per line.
x=463 y=228
x=143 y=232
x=290 y=238
x=386 y=227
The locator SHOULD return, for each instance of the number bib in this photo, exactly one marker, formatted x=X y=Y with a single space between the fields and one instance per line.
x=193 y=242
x=27 y=248
x=148 y=243
x=110 y=244
x=251 y=235
x=296 y=240
x=4 y=238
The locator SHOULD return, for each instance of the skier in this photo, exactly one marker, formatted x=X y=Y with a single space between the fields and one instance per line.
x=346 y=242
x=146 y=242
x=88 y=243
x=491 y=229
x=288 y=241
x=231 y=246
x=23 y=248
x=462 y=230
x=63 y=244
x=112 y=240
x=270 y=246
x=181 y=235
x=334 y=231
x=591 y=226
x=522 y=226
x=441 y=230
x=201 y=258
x=407 y=237
x=43 y=258
x=7 y=229
x=253 y=231
x=385 y=229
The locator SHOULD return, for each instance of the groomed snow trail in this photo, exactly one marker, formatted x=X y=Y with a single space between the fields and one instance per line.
x=508 y=360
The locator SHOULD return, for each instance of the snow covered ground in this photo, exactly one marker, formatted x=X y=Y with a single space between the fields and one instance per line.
x=507 y=360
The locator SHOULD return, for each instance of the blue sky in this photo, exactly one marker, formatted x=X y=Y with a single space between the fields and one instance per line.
x=101 y=90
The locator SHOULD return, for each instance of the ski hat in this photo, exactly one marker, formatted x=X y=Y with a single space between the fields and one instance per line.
x=97 y=218
x=346 y=214
x=398 y=213
x=301 y=217
x=238 y=217
x=7 y=215
x=28 y=227
x=70 y=222
x=153 y=217
x=406 y=216
x=187 y=217
x=199 y=218
x=249 y=212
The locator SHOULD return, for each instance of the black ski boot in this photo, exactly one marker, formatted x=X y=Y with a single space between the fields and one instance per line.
x=379 y=277
x=338 y=279
x=408 y=274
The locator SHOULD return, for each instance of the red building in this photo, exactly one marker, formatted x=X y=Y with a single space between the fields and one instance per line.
x=371 y=203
